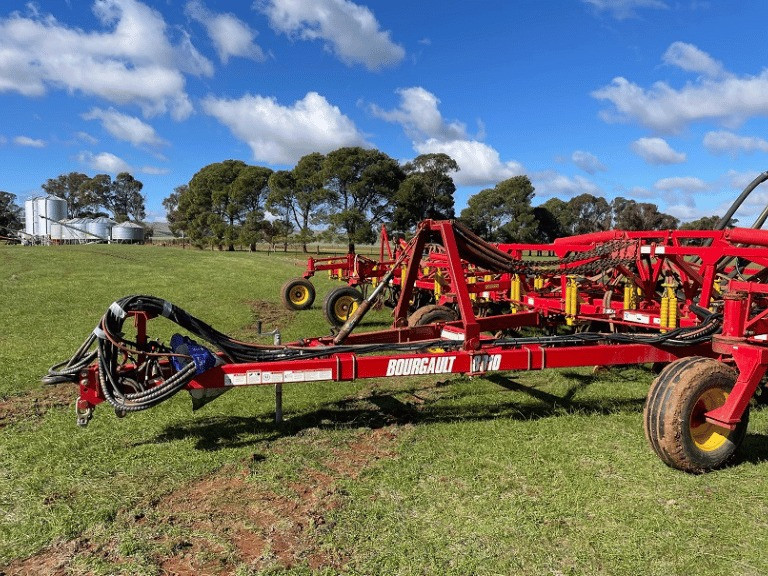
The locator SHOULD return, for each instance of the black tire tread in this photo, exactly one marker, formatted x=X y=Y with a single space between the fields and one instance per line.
x=667 y=413
x=286 y=290
x=330 y=302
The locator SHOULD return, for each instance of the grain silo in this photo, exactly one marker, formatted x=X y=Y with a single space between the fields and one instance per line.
x=127 y=233
x=99 y=229
x=41 y=212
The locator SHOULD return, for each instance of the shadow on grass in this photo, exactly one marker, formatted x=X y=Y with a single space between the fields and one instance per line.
x=753 y=450
x=382 y=409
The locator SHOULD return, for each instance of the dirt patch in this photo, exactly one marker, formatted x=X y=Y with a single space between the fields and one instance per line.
x=36 y=403
x=219 y=523
x=270 y=315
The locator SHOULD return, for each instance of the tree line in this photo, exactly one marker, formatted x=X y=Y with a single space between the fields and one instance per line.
x=87 y=197
x=350 y=192
x=100 y=195
x=345 y=194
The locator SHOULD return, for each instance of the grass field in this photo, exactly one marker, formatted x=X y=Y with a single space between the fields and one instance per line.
x=527 y=473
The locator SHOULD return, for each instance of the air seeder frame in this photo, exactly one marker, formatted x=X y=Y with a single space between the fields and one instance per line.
x=683 y=299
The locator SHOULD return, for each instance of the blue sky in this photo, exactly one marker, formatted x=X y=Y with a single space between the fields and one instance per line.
x=658 y=100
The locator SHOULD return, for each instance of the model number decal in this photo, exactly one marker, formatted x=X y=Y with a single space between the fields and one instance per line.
x=485 y=362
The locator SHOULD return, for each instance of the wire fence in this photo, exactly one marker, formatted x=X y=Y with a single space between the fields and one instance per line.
x=313 y=248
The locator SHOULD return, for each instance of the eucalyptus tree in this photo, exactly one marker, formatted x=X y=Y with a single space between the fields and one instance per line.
x=503 y=213
x=362 y=184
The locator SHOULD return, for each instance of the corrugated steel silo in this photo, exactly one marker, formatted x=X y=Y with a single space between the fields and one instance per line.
x=127 y=232
x=99 y=228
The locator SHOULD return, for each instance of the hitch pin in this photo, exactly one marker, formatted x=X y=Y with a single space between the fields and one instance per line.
x=84 y=412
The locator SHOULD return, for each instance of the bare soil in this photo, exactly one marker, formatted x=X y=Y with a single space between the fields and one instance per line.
x=34 y=404
x=271 y=316
x=221 y=522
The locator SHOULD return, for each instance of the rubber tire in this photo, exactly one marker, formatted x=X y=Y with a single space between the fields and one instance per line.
x=430 y=314
x=338 y=301
x=298 y=294
x=675 y=399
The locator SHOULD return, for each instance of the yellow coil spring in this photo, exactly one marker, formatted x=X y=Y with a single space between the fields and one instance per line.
x=571 y=301
x=672 y=310
x=668 y=312
x=515 y=291
x=630 y=296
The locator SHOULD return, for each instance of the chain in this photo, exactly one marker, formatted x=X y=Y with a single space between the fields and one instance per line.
x=605 y=257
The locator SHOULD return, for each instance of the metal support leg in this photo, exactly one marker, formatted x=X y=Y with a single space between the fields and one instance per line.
x=278 y=403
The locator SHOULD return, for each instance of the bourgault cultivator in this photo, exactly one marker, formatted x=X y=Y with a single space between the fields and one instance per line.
x=357 y=271
x=695 y=302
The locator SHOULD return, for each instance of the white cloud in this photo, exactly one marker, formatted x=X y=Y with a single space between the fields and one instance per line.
x=685 y=184
x=691 y=59
x=740 y=180
x=350 y=31
x=642 y=193
x=132 y=62
x=587 y=162
x=87 y=138
x=154 y=170
x=623 y=9
x=3 y=140
x=552 y=183
x=418 y=114
x=124 y=127
x=479 y=164
x=230 y=35
x=104 y=162
x=721 y=142
x=685 y=212
x=657 y=151
x=728 y=99
x=283 y=134
x=29 y=142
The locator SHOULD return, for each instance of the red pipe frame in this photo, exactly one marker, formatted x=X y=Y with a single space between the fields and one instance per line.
x=742 y=342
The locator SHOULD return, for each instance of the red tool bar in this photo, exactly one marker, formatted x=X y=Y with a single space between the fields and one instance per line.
x=348 y=366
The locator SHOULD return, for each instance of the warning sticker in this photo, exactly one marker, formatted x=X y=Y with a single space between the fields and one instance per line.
x=637 y=317
x=256 y=377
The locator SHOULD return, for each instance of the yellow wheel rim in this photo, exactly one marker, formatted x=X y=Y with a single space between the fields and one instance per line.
x=299 y=295
x=344 y=307
x=707 y=436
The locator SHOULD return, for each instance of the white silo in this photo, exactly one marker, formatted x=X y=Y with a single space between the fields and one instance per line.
x=99 y=228
x=50 y=209
x=67 y=232
x=57 y=231
x=41 y=212
x=127 y=233
x=78 y=229
x=29 y=217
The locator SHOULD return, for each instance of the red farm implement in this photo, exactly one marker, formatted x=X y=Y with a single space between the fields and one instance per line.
x=693 y=302
x=358 y=273
x=355 y=270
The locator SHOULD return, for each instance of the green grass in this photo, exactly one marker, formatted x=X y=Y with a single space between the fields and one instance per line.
x=532 y=473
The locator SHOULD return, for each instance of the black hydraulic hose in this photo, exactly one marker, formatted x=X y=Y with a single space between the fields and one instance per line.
x=723 y=222
x=111 y=347
x=69 y=370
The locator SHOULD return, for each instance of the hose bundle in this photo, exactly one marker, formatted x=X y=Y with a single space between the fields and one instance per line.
x=147 y=385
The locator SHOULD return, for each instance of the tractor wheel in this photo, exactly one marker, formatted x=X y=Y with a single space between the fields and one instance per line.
x=430 y=314
x=298 y=294
x=674 y=415
x=340 y=304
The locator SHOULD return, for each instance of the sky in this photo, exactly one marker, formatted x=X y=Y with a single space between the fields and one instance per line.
x=662 y=101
